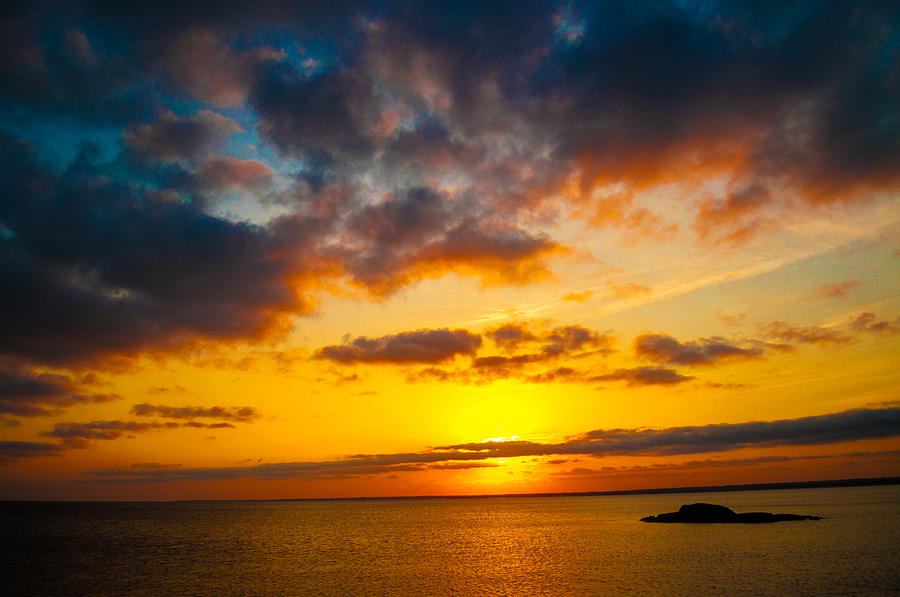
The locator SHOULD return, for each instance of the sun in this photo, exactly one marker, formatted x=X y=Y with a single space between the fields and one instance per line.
x=500 y=412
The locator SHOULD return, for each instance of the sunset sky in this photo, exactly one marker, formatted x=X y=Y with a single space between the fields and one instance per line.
x=317 y=249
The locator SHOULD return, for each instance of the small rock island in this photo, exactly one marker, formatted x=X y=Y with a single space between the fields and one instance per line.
x=712 y=513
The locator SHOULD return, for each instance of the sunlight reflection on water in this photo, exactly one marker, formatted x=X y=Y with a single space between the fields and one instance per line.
x=473 y=546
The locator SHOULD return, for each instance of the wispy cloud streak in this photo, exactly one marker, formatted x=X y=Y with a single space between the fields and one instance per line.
x=847 y=426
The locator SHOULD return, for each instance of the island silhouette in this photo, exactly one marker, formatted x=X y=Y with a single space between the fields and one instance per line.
x=713 y=513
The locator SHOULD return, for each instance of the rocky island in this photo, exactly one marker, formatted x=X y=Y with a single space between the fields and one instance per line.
x=712 y=513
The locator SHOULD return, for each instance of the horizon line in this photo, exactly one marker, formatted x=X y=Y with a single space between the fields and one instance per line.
x=822 y=484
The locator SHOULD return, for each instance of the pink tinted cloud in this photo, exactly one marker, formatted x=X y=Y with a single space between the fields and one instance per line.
x=838 y=289
x=221 y=172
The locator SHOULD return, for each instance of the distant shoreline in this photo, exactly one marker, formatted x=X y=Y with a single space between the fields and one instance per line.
x=868 y=481
x=863 y=482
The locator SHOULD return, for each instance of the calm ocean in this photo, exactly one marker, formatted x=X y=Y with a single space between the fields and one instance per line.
x=469 y=546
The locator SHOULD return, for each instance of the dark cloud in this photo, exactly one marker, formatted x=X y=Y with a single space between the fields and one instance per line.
x=79 y=435
x=240 y=414
x=867 y=322
x=572 y=338
x=50 y=70
x=421 y=233
x=704 y=351
x=847 y=426
x=807 y=335
x=198 y=61
x=501 y=362
x=555 y=342
x=644 y=376
x=456 y=466
x=321 y=117
x=16 y=450
x=707 y=463
x=425 y=139
x=510 y=335
x=173 y=138
x=732 y=219
x=420 y=346
x=103 y=266
x=539 y=346
x=650 y=87
x=25 y=393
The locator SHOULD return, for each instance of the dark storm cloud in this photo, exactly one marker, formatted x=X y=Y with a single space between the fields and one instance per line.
x=242 y=414
x=102 y=266
x=704 y=351
x=420 y=346
x=25 y=393
x=847 y=426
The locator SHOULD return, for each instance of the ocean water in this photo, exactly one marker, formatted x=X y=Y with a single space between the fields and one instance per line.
x=470 y=546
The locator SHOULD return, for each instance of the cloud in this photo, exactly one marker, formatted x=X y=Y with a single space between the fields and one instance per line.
x=56 y=72
x=732 y=219
x=241 y=414
x=455 y=466
x=846 y=426
x=79 y=435
x=105 y=266
x=704 y=351
x=626 y=290
x=541 y=346
x=420 y=233
x=578 y=297
x=198 y=61
x=807 y=335
x=502 y=103
x=420 y=346
x=423 y=142
x=707 y=463
x=838 y=289
x=509 y=336
x=731 y=319
x=551 y=343
x=644 y=376
x=12 y=450
x=867 y=322
x=25 y=393
x=172 y=138
x=321 y=117
x=221 y=172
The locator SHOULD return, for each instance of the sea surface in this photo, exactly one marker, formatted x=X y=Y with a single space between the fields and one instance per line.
x=575 y=545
